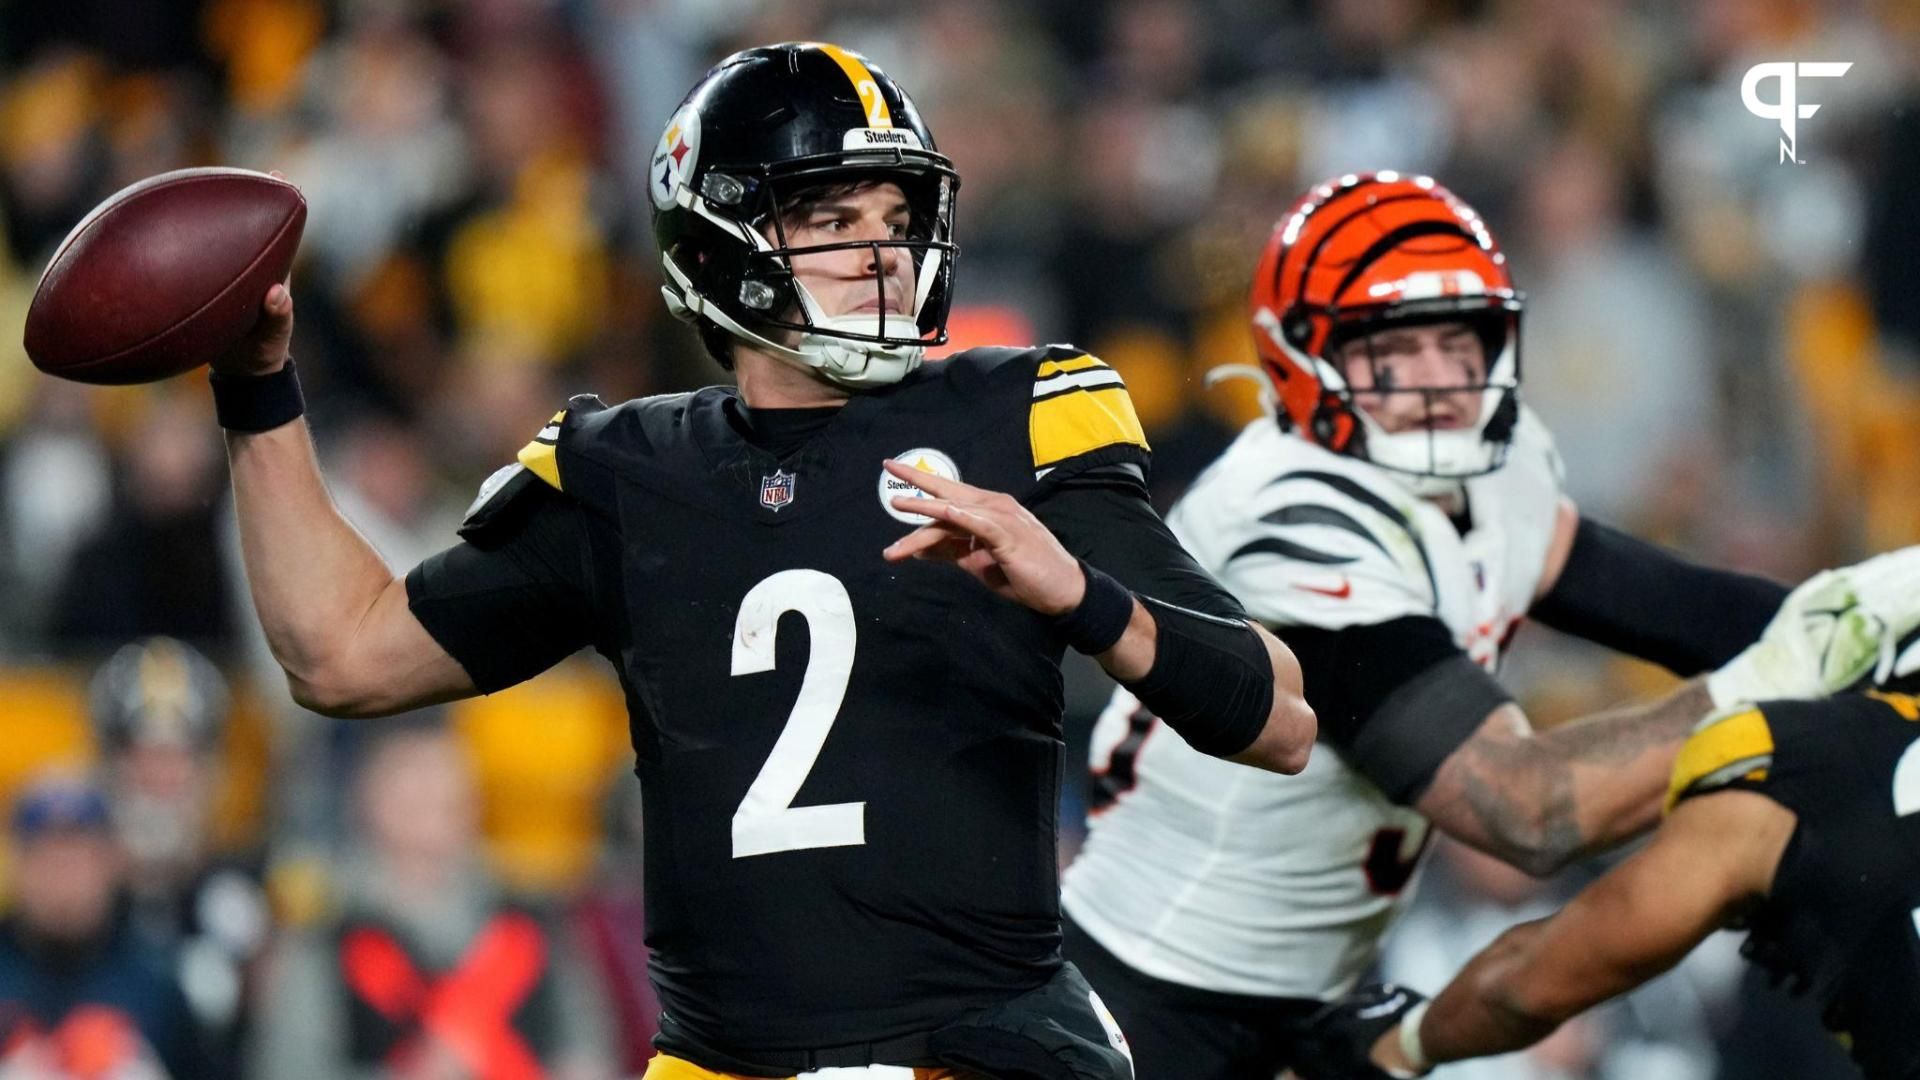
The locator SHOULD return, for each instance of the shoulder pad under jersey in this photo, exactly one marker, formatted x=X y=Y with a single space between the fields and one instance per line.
x=537 y=468
x=1534 y=448
x=1729 y=746
x=1079 y=414
x=589 y=444
x=1317 y=540
x=510 y=487
x=541 y=456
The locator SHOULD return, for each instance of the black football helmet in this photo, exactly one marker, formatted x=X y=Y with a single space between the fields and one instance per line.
x=763 y=125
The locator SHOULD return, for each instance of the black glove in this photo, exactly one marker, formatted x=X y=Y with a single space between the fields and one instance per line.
x=1339 y=1040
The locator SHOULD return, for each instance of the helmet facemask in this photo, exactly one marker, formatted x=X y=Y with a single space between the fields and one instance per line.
x=759 y=132
x=745 y=280
x=1436 y=448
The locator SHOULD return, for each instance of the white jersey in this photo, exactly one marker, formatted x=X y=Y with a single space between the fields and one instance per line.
x=1229 y=878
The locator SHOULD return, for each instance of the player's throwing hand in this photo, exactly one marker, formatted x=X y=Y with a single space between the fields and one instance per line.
x=265 y=348
x=991 y=536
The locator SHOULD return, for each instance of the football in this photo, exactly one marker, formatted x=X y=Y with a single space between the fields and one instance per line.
x=163 y=276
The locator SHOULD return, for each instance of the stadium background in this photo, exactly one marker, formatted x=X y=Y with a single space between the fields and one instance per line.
x=1726 y=346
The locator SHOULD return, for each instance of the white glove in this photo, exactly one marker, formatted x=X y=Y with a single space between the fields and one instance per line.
x=1838 y=628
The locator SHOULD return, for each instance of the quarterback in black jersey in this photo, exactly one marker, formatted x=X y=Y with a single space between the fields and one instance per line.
x=850 y=752
x=1797 y=821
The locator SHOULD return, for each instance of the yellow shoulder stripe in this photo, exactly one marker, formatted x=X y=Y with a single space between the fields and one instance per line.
x=1062 y=367
x=1906 y=705
x=541 y=457
x=1737 y=745
x=1079 y=421
x=864 y=85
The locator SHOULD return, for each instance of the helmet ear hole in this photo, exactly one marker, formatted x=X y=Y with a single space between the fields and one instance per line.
x=1333 y=424
x=1297 y=328
x=1323 y=428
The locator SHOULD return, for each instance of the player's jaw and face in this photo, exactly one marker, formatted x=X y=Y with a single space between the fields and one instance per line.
x=1421 y=377
x=860 y=280
x=849 y=281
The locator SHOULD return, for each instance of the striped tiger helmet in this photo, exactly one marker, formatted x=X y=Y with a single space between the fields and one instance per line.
x=1365 y=253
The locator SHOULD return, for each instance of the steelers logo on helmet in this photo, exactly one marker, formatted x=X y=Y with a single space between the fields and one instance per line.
x=921 y=459
x=674 y=158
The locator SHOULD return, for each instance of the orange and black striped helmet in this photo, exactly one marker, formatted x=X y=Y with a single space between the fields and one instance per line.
x=1359 y=254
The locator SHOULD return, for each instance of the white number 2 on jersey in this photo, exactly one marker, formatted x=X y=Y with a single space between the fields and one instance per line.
x=767 y=821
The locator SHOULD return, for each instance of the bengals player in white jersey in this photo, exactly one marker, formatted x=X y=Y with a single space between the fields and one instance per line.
x=1393 y=521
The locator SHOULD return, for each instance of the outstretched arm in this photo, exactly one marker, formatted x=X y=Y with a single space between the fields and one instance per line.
x=1715 y=855
x=1436 y=731
x=1826 y=635
x=1642 y=600
x=1539 y=800
x=335 y=617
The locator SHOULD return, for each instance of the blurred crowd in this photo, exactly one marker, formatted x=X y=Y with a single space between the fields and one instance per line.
x=1726 y=345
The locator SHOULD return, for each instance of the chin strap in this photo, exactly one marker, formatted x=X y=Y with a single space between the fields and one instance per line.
x=852 y=364
x=1227 y=372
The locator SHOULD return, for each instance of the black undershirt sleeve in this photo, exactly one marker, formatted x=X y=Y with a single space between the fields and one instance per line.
x=1104 y=517
x=1647 y=602
x=1395 y=698
x=519 y=595
x=1211 y=678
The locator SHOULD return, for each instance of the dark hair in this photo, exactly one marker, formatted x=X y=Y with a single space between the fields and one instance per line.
x=800 y=202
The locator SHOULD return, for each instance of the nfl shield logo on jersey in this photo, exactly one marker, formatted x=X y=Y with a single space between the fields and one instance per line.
x=776 y=491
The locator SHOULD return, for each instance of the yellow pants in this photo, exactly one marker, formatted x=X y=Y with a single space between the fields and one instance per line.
x=668 y=1067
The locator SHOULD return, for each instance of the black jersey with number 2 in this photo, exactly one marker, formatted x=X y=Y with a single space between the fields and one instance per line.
x=850 y=767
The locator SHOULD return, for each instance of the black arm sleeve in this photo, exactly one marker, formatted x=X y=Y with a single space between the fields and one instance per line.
x=518 y=596
x=1104 y=517
x=1211 y=679
x=1644 y=601
x=1396 y=698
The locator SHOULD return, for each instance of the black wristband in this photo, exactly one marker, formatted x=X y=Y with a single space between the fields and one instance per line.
x=1104 y=612
x=254 y=403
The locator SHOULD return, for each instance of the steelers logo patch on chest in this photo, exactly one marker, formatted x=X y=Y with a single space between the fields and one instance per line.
x=925 y=460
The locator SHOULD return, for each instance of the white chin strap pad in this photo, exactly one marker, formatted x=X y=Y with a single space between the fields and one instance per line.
x=859 y=364
x=1446 y=454
x=855 y=364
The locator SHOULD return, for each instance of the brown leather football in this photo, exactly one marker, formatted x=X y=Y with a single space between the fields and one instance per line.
x=164 y=276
